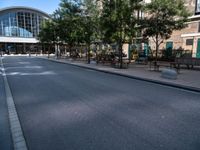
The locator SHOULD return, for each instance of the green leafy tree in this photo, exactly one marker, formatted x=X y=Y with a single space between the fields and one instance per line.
x=47 y=34
x=164 y=16
x=69 y=20
x=90 y=24
x=118 y=22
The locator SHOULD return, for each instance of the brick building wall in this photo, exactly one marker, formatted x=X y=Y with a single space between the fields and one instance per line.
x=178 y=40
x=181 y=38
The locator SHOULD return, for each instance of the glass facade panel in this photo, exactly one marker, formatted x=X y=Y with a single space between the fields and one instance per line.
x=20 y=24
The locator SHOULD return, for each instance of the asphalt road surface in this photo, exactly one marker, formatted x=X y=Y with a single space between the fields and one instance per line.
x=63 y=107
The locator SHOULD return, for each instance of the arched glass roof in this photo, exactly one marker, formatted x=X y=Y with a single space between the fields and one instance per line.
x=22 y=8
x=21 y=21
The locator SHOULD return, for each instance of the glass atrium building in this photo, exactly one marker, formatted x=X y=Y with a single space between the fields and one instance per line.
x=19 y=27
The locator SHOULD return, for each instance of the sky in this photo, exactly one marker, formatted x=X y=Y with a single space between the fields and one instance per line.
x=48 y=6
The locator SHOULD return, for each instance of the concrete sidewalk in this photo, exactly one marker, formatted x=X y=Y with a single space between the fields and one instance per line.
x=187 y=79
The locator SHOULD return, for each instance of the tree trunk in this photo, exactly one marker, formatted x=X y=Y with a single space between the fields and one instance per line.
x=56 y=50
x=120 y=55
x=48 y=50
x=88 y=53
x=157 y=47
x=70 y=51
x=65 y=51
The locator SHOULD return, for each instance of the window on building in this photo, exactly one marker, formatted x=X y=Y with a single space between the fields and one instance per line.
x=189 y=42
x=199 y=27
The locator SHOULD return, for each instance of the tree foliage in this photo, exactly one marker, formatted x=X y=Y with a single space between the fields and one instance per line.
x=75 y=21
x=164 y=16
x=113 y=21
x=69 y=20
x=119 y=22
x=47 y=33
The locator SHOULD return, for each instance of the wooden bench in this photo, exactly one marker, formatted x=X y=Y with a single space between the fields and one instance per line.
x=104 y=62
x=116 y=63
x=189 y=62
x=142 y=60
x=157 y=64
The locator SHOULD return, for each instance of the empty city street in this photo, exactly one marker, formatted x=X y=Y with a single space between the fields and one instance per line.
x=64 y=107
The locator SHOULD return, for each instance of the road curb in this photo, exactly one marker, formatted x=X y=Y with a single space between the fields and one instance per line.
x=18 y=138
x=188 y=88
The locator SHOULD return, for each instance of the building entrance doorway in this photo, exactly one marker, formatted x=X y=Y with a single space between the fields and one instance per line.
x=198 y=49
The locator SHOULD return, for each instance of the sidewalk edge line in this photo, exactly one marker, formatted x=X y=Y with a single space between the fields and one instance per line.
x=188 y=88
x=15 y=126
